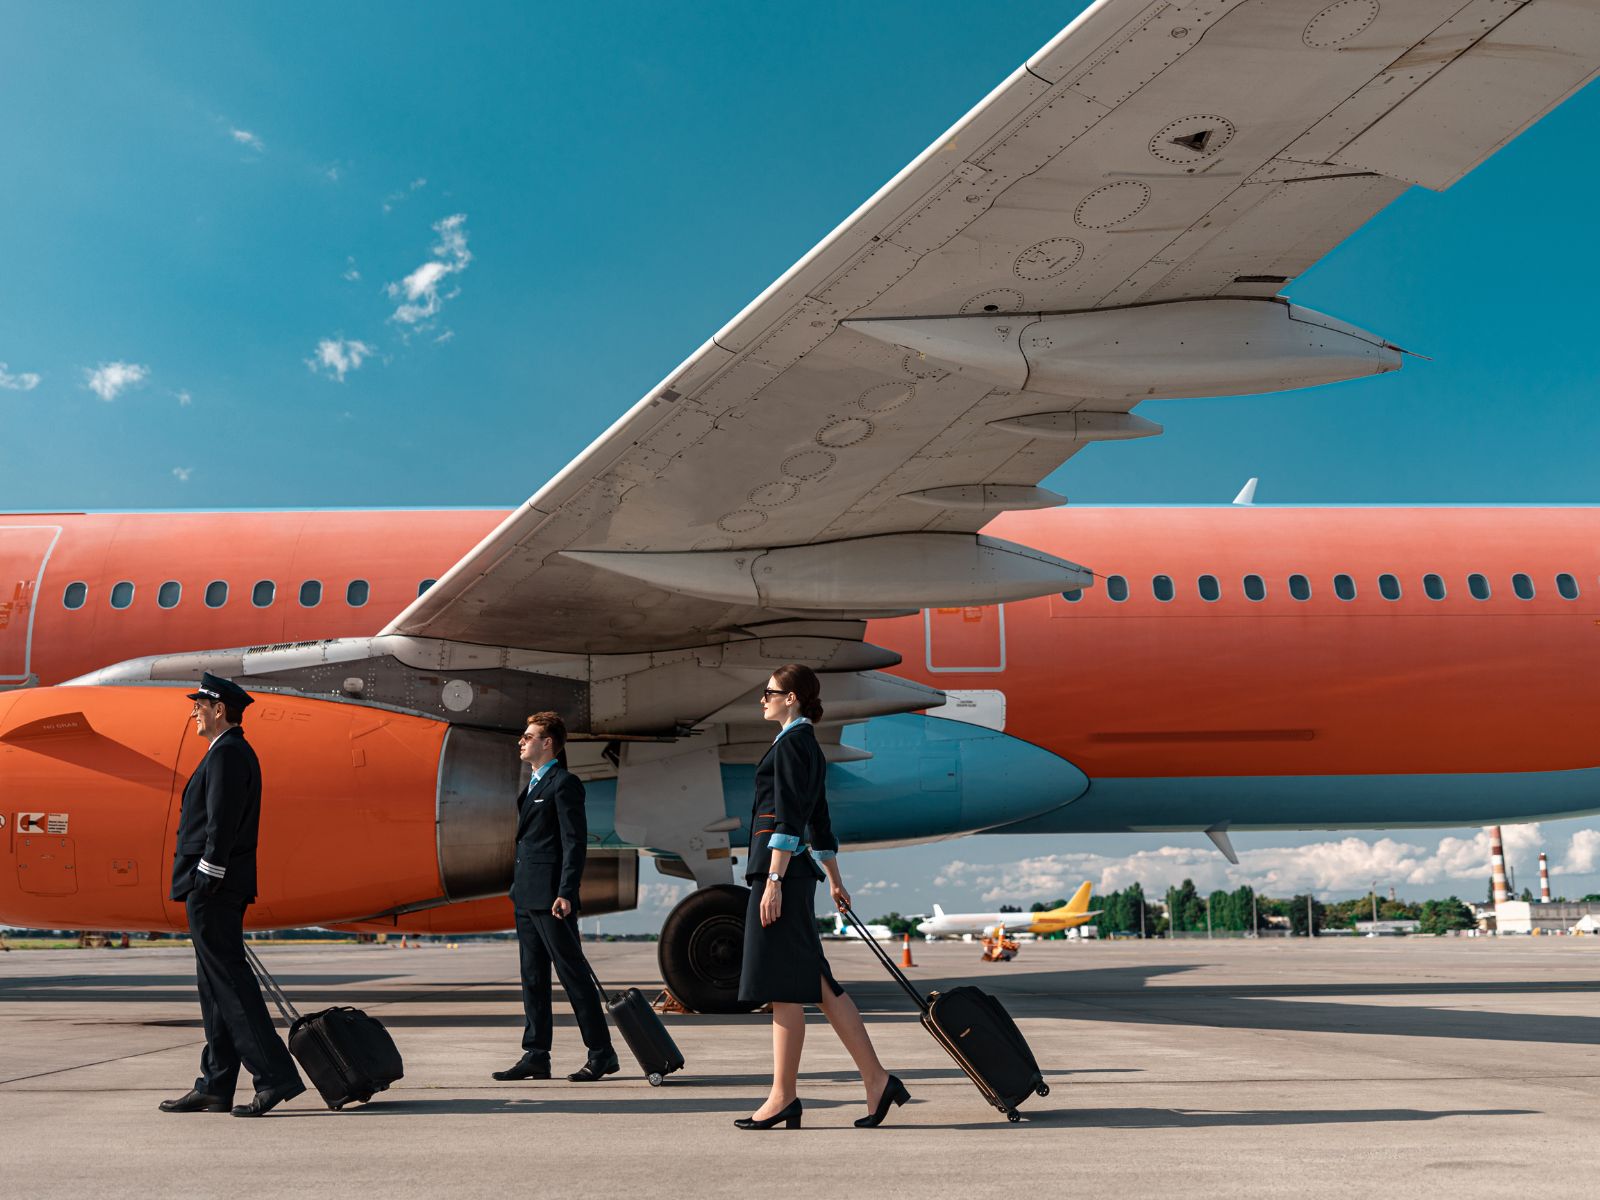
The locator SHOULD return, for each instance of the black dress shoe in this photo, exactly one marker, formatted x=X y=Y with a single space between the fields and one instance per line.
x=197 y=1102
x=526 y=1067
x=594 y=1069
x=894 y=1093
x=789 y=1116
x=265 y=1102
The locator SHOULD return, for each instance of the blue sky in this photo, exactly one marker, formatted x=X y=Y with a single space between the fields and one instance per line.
x=403 y=254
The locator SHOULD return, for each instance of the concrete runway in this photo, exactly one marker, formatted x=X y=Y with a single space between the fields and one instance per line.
x=1414 y=1067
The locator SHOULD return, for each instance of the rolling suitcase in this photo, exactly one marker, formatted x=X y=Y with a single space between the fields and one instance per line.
x=976 y=1031
x=348 y=1055
x=643 y=1030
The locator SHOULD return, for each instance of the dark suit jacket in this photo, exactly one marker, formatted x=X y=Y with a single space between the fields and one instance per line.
x=552 y=841
x=792 y=798
x=220 y=818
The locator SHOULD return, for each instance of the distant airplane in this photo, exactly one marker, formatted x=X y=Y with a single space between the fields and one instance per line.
x=1070 y=915
x=840 y=929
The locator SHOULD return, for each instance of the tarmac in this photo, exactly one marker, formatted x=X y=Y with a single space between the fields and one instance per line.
x=1393 y=1068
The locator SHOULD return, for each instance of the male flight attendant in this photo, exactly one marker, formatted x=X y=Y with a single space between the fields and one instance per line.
x=552 y=842
x=214 y=874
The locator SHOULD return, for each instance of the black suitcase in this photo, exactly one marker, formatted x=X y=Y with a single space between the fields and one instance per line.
x=643 y=1030
x=348 y=1055
x=976 y=1031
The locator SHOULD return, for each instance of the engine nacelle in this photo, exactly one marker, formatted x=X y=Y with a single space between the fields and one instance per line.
x=364 y=811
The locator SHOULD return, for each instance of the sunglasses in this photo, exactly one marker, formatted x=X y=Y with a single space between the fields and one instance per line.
x=769 y=693
x=532 y=737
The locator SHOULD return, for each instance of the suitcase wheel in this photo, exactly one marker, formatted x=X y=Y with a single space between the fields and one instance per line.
x=655 y=1078
x=1013 y=1116
x=1044 y=1089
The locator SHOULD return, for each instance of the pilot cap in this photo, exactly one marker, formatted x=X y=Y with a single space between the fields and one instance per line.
x=215 y=688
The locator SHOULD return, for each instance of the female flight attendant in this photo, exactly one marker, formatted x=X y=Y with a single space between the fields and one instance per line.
x=783 y=959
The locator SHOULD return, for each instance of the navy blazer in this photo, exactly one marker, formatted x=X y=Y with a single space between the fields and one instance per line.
x=220 y=818
x=791 y=802
x=552 y=841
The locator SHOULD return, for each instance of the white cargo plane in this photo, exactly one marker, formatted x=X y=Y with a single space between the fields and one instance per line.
x=1073 y=913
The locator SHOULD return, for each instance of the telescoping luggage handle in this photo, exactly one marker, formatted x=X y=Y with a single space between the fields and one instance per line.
x=291 y=1014
x=883 y=957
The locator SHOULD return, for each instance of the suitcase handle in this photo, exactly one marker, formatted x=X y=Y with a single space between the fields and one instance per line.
x=883 y=957
x=269 y=985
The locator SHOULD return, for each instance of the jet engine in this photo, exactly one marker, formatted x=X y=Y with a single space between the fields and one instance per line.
x=367 y=813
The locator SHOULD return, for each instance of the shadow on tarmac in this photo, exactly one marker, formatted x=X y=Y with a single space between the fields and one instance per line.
x=1176 y=1118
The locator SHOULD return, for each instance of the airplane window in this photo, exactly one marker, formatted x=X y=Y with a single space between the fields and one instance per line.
x=356 y=594
x=1567 y=586
x=1434 y=586
x=1072 y=597
x=1388 y=587
x=311 y=593
x=122 y=595
x=1478 y=585
x=75 y=595
x=1117 y=588
x=1254 y=588
x=425 y=585
x=1209 y=588
x=1344 y=587
x=216 y=594
x=263 y=593
x=1299 y=587
x=169 y=595
x=1162 y=586
x=1522 y=586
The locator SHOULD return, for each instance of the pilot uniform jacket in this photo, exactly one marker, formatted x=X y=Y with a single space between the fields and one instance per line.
x=220 y=818
x=784 y=961
x=552 y=841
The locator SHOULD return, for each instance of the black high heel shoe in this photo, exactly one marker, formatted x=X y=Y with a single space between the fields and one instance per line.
x=894 y=1092
x=790 y=1116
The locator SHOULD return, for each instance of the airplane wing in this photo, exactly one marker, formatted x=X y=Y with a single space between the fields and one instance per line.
x=1115 y=221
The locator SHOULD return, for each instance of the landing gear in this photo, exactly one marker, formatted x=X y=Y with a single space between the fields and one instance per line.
x=702 y=946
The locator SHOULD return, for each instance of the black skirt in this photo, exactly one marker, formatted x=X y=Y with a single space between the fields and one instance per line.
x=783 y=962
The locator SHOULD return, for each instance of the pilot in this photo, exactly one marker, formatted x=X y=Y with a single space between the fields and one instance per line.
x=214 y=874
x=552 y=842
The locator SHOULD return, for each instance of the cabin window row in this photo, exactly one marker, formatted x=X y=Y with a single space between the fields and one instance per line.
x=1254 y=587
x=263 y=595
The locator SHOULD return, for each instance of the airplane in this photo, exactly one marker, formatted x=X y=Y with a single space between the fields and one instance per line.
x=843 y=929
x=848 y=475
x=1073 y=913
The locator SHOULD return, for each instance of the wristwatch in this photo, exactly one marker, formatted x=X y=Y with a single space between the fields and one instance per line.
x=774 y=877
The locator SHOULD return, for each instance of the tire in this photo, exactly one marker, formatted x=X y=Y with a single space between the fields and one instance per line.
x=1044 y=1089
x=655 y=1078
x=1013 y=1117
x=702 y=947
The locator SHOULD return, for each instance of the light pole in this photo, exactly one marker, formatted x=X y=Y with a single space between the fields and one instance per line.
x=1208 y=916
x=1255 y=924
x=1311 y=918
x=1374 y=906
x=1172 y=917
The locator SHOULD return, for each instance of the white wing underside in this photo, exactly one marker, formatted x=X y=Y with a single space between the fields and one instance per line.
x=1153 y=152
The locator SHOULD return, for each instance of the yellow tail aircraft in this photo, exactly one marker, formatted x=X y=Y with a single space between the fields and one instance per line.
x=1073 y=913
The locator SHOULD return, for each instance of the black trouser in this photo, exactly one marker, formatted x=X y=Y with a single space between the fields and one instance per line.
x=236 y=1021
x=543 y=939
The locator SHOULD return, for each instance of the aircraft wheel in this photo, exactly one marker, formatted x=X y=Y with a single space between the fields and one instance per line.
x=702 y=947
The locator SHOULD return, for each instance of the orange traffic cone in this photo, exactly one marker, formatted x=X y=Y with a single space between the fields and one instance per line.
x=905 y=954
x=403 y=945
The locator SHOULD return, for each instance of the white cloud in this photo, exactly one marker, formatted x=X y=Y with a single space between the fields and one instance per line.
x=108 y=380
x=1582 y=854
x=22 y=381
x=662 y=897
x=339 y=356
x=331 y=173
x=1348 y=864
x=877 y=885
x=420 y=291
x=181 y=474
x=184 y=399
x=352 y=274
x=245 y=138
x=394 y=198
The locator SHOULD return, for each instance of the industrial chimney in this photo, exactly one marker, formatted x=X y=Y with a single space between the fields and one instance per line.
x=1544 y=879
x=1497 y=865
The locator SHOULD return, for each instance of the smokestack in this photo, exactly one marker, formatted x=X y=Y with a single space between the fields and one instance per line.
x=1497 y=865
x=1544 y=879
